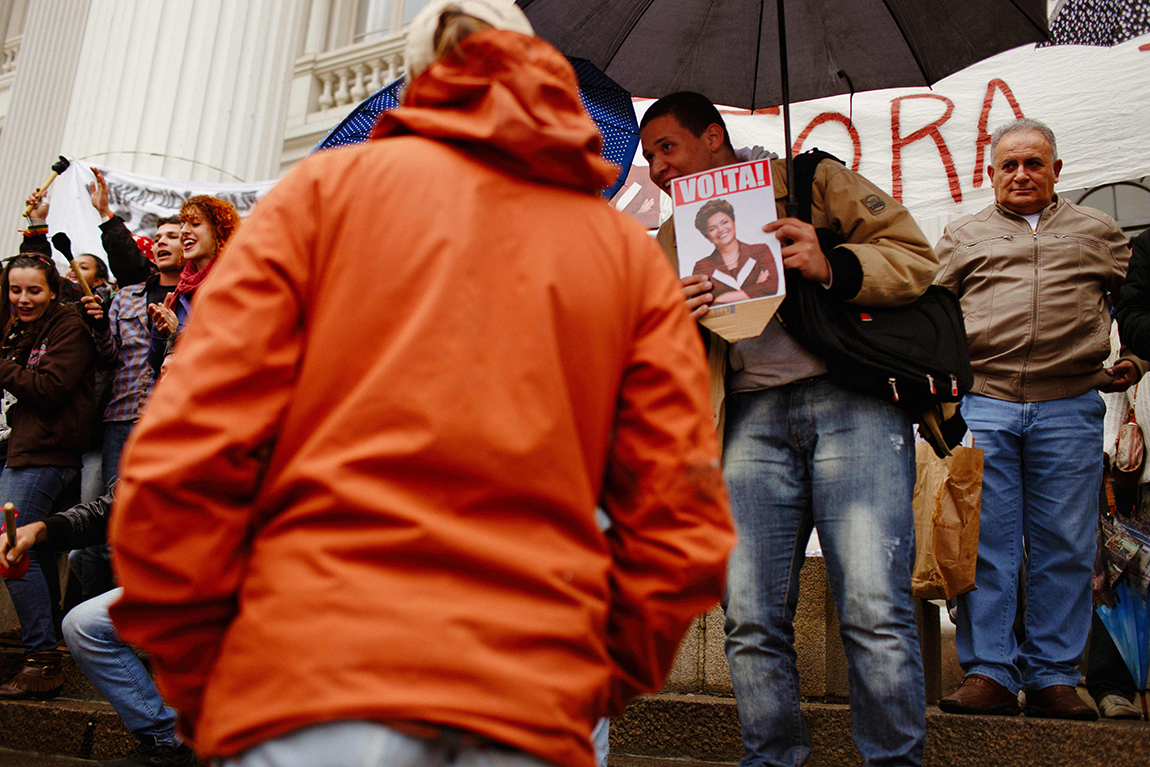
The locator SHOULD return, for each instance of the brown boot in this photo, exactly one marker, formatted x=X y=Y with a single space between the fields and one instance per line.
x=1058 y=701
x=42 y=677
x=980 y=695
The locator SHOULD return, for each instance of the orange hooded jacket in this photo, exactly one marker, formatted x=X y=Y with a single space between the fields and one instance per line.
x=367 y=487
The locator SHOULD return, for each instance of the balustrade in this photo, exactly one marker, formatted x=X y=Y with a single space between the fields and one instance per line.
x=11 y=49
x=349 y=75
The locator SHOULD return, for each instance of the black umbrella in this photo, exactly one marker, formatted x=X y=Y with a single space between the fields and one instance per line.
x=742 y=53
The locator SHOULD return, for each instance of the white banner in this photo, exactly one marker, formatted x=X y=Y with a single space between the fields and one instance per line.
x=139 y=200
x=929 y=148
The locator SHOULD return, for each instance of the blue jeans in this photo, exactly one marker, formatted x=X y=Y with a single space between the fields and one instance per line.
x=814 y=454
x=115 y=435
x=601 y=741
x=1042 y=472
x=93 y=565
x=36 y=492
x=368 y=744
x=115 y=670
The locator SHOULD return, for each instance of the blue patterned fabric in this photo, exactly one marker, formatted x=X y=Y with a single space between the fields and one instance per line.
x=608 y=104
x=1098 y=22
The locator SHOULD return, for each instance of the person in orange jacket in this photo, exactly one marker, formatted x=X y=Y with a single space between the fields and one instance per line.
x=359 y=513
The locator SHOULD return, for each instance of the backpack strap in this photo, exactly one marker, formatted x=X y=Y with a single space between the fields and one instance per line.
x=805 y=165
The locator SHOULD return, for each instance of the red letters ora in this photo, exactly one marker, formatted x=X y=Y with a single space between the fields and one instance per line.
x=715 y=183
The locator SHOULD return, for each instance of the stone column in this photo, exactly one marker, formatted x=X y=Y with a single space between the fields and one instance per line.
x=187 y=90
x=41 y=93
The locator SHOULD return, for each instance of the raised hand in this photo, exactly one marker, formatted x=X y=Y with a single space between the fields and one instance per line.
x=99 y=192
x=38 y=203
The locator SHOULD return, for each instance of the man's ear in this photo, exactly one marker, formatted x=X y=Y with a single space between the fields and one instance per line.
x=990 y=172
x=1057 y=168
x=714 y=136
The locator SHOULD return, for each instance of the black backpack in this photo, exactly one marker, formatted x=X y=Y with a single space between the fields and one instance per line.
x=914 y=356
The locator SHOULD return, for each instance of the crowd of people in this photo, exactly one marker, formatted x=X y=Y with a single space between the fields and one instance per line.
x=78 y=370
x=464 y=510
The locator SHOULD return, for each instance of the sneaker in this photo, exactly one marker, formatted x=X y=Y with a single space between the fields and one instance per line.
x=152 y=754
x=1115 y=706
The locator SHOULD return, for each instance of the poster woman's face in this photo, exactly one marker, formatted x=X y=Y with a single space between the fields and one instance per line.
x=720 y=229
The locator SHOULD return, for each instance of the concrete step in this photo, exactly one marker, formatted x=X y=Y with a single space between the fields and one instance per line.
x=9 y=758
x=83 y=729
x=706 y=729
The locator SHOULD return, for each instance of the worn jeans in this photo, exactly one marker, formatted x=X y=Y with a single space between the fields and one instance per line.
x=114 y=669
x=368 y=744
x=36 y=492
x=1042 y=471
x=814 y=454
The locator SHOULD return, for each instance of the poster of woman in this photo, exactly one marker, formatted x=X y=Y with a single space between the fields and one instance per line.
x=719 y=219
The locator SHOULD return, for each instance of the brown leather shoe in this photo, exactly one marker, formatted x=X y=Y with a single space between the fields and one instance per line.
x=1058 y=701
x=42 y=677
x=980 y=695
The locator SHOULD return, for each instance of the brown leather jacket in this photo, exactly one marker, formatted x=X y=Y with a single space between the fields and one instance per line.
x=1036 y=303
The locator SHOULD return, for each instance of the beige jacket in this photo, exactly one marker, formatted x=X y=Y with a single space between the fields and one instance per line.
x=892 y=263
x=1036 y=304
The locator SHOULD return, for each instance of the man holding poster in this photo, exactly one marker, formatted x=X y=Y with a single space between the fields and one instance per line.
x=800 y=451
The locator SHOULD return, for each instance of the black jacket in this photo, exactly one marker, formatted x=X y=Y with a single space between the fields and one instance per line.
x=1134 y=305
x=81 y=526
x=128 y=265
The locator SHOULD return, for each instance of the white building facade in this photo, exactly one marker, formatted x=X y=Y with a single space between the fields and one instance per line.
x=199 y=90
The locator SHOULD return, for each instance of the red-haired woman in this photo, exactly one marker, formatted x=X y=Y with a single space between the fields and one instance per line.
x=47 y=365
x=207 y=223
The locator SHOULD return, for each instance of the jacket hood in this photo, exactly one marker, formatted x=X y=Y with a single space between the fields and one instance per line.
x=512 y=101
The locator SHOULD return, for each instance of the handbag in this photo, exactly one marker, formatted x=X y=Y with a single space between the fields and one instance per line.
x=914 y=356
x=1129 y=450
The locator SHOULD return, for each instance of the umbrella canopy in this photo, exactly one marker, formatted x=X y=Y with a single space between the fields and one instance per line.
x=608 y=104
x=749 y=53
x=1098 y=22
x=729 y=49
x=1129 y=625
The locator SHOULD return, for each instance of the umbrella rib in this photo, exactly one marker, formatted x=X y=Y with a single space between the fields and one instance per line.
x=909 y=46
x=623 y=37
x=1033 y=23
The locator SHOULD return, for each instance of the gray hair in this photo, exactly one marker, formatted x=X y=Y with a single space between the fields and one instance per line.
x=1021 y=124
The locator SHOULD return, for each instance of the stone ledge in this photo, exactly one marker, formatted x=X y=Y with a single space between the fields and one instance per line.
x=706 y=729
x=85 y=729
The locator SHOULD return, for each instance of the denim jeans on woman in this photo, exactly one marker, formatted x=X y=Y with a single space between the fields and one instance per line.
x=36 y=492
x=813 y=453
x=114 y=669
x=1042 y=472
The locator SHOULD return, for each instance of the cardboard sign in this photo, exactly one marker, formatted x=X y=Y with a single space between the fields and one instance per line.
x=719 y=220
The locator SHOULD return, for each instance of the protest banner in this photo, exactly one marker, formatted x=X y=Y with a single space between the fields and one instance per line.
x=929 y=147
x=139 y=200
